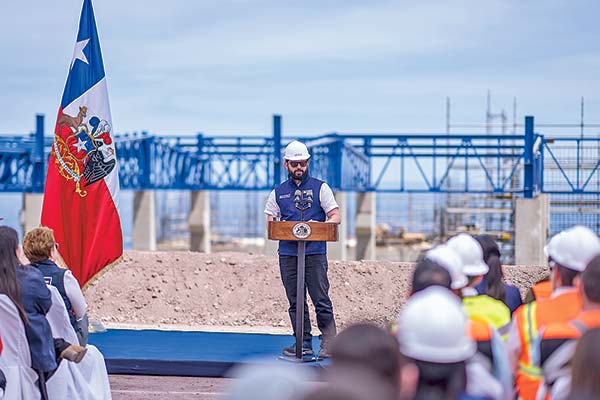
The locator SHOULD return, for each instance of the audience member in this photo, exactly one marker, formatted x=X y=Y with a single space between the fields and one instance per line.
x=490 y=365
x=478 y=306
x=41 y=249
x=448 y=259
x=568 y=254
x=25 y=286
x=2 y=377
x=492 y=283
x=542 y=289
x=585 y=374
x=369 y=348
x=429 y=273
x=558 y=340
x=432 y=331
x=270 y=381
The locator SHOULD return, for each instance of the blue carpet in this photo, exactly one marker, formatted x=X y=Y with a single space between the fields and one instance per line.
x=210 y=354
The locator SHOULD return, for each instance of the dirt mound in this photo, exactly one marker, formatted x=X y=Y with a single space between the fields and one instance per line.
x=243 y=291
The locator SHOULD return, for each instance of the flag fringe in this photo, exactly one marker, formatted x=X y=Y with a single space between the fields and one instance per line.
x=101 y=273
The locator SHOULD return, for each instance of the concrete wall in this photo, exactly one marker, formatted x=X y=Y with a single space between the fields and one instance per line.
x=144 y=220
x=31 y=212
x=366 y=209
x=532 y=224
x=199 y=222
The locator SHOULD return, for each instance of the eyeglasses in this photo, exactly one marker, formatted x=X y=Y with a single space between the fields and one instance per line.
x=302 y=163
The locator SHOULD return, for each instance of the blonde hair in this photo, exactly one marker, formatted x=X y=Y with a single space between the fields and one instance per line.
x=38 y=244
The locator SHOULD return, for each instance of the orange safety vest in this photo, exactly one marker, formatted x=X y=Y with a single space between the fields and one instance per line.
x=542 y=290
x=481 y=332
x=555 y=335
x=529 y=318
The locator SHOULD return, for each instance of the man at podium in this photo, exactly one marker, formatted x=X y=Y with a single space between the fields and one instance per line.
x=320 y=205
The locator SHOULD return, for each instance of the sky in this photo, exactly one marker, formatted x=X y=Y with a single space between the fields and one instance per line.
x=224 y=67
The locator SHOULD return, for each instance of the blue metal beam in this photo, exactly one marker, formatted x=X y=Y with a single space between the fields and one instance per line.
x=411 y=163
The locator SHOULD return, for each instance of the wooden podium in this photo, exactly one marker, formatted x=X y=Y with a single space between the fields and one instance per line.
x=302 y=232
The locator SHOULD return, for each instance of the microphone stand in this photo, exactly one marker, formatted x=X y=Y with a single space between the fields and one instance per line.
x=301 y=205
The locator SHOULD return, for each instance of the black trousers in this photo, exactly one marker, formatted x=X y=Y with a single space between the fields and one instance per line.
x=59 y=346
x=318 y=288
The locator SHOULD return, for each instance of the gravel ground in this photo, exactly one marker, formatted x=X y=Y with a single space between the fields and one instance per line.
x=235 y=291
x=143 y=387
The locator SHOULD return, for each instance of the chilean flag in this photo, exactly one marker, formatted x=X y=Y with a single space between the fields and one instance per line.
x=82 y=185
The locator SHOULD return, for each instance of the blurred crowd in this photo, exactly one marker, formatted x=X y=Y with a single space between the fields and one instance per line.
x=464 y=334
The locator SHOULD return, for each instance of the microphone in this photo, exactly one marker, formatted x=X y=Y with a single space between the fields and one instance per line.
x=309 y=196
x=297 y=197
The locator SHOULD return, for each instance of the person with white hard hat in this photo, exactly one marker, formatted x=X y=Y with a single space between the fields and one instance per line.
x=555 y=347
x=432 y=331
x=281 y=206
x=478 y=306
x=568 y=254
x=448 y=259
x=490 y=346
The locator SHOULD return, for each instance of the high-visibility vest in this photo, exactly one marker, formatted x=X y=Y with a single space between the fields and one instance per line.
x=558 y=346
x=490 y=310
x=542 y=290
x=529 y=319
x=481 y=332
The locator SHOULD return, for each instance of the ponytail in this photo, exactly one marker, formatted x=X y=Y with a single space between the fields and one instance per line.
x=494 y=279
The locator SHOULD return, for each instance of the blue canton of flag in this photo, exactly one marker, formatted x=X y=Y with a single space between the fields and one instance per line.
x=87 y=67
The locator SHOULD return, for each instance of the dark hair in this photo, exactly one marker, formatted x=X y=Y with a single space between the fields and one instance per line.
x=567 y=275
x=585 y=372
x=428 y=273
x=440 y=381
x=494 y=279
x=370 y=347
x=591 y=280
x=9 y=284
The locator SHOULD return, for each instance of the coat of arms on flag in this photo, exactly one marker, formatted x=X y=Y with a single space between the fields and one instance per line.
x=82 y=185
x=83 y=149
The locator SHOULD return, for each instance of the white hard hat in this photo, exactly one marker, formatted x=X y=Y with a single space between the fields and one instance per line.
x=470 y=253
x=433 y=327
x=296 y=151
x=446 y=257
x=573 y=248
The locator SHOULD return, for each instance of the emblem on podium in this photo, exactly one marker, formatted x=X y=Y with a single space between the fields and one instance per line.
x=301 y=230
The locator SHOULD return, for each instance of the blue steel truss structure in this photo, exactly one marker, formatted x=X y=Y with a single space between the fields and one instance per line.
x=521 y=165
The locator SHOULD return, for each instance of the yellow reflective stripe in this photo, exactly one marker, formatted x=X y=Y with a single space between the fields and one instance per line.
x=530 y=327
x=530 y=371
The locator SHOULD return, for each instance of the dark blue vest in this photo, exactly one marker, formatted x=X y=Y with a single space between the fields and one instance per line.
x=55 y=276
x=284 y=195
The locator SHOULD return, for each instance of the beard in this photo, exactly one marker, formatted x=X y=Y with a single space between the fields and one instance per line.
x=298 y=174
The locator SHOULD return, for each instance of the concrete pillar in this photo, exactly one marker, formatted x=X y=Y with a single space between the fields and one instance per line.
x=31 y=212
x=532 y=225
x=199 y=221
x=339 y=250
x=144 y=220
x=365 y=225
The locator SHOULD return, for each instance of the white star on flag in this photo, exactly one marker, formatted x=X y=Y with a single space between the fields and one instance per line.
x=78 y=52
x=80 y=144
